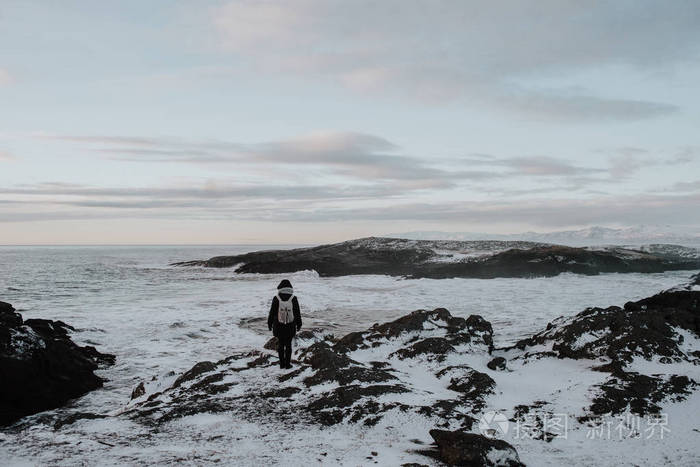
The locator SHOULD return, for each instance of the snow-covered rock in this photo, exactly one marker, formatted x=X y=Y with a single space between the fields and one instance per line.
x=640 y=360
x=656 y=329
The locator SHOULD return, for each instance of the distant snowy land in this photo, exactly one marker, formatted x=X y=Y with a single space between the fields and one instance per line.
x=441 y=259
x=638 y=235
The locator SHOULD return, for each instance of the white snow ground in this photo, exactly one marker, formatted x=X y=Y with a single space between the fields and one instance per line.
x=159 y=320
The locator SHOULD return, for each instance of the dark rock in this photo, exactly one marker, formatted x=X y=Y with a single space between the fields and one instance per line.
x=8 y=317
x=281 y=393
x=470 y=449
x=695 y=280
x=138 y=391
x=271 y=344
x=473 y=385
x=498 y=363
x=334 y=366
x=436 y=347
x=40 y=366
x=102 y=359
x=474 y=330
x=262 y=360
x=320 y=356
x=643 y=328
x=194 y=372
x=421 y=258
x=327 y=409
x=641 y=393
x=208 y=384
x=478 y=326
x=350 y=342
x=446 y=411
x=535 y=421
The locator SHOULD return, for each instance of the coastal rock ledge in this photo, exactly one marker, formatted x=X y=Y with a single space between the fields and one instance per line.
x=41 y=368
x=430 y=368
x=446 y=259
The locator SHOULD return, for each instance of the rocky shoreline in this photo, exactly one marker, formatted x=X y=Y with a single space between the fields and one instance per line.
x=448 y=259
x=41 y=367
x=444 y=368
x=428 y=369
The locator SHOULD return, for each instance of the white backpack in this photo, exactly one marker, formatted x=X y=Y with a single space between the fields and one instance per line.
x=285 y=310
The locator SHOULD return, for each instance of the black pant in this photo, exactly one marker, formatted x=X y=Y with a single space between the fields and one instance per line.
x=285 y=334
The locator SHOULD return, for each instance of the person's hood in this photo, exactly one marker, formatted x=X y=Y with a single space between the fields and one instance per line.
x=285 y=290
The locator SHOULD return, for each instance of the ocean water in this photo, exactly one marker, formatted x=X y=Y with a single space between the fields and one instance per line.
x=156 y=318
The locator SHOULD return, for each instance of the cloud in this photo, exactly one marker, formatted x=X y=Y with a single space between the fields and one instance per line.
x=583 y=107
x=685 y=155
x=468 y=50
x=358 y=156
x=50 y=203
x=553 y=213
x=627 y=161
x=5 y=77
x=77 y=195
x=533 y=166
x=352 y=155
x=6 y=156
x=681 y=187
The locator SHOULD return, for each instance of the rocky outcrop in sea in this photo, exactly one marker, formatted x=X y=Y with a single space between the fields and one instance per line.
x=41 y=368
x=445 y=259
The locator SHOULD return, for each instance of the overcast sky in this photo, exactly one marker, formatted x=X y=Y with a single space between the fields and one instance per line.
x=311 y=121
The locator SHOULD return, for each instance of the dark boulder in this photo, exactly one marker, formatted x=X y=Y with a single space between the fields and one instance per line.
x=431 y=347
x=473 y=385
x=41 y=368
x=138 y=391
x=470 y=449
x=193 y=373
x=328 y=408
x=271 y=344
x=498 y=363
x=641 y=393
x=329 y=366
x=474 y=331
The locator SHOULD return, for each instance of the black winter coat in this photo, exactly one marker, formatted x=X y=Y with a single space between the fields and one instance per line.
x=273 y=323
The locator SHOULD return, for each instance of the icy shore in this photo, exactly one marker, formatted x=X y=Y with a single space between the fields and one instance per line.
x=609 y=386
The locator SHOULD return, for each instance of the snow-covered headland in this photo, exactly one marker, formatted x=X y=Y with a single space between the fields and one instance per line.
x=448 y=259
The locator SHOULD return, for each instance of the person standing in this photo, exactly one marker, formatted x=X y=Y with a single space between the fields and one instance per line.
x=284 y=321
